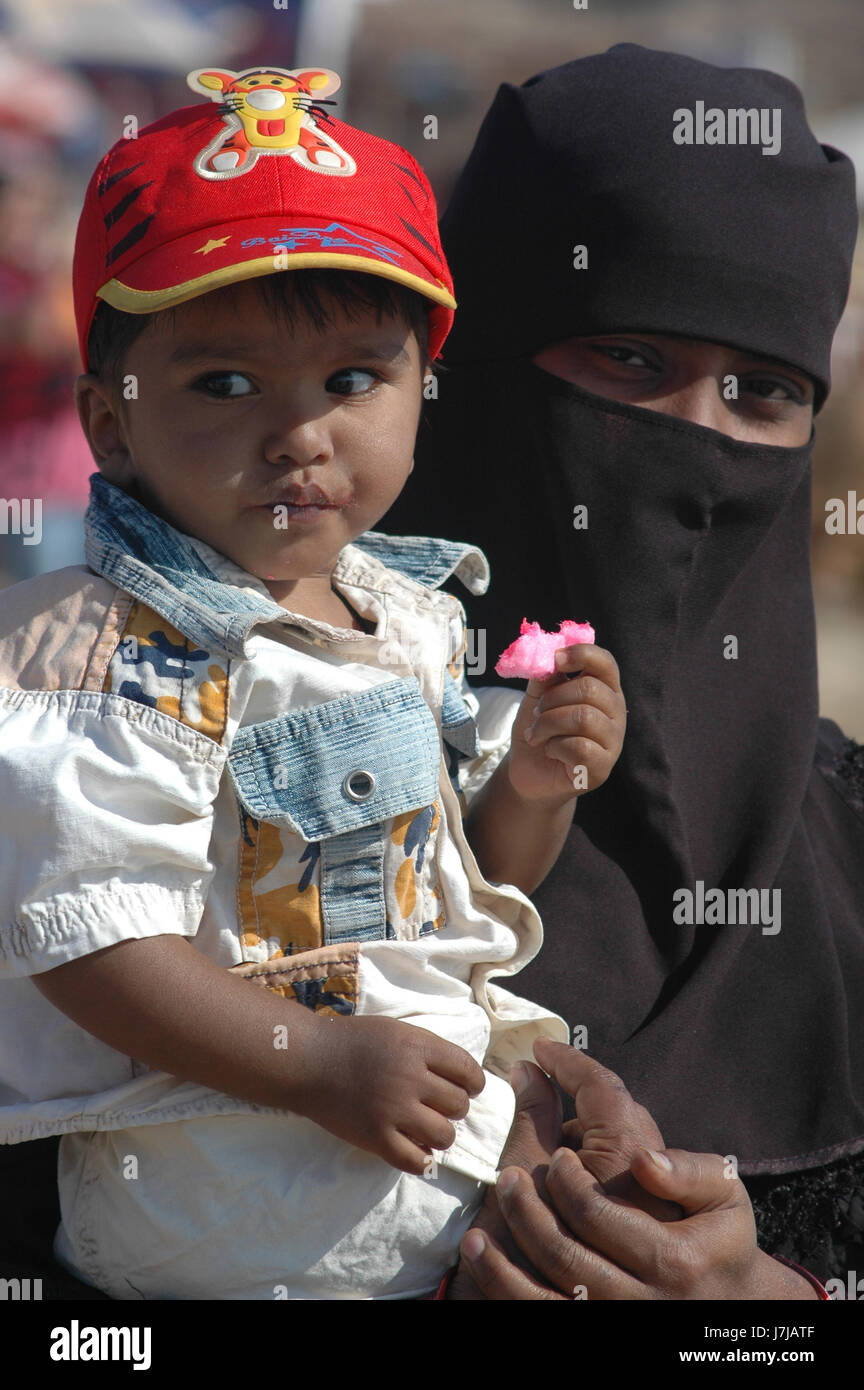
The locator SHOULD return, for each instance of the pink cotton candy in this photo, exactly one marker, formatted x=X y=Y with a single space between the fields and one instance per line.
x=532 y=655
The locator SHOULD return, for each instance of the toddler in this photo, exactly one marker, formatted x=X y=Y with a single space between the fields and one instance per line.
x=247 y=936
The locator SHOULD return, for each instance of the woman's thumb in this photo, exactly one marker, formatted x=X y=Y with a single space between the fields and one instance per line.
x=536 y=1130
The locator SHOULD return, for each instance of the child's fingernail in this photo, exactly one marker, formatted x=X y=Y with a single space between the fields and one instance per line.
x=506 y=1182
x=659 y=1160
x=473 y=1245
x=561 y=657
x=529 y=733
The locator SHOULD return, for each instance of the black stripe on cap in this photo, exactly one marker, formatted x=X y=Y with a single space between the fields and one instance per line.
x=135 y=234
x=410 y=173
x=406 y=192
x=109 y=183
x=119 y=208
x=420 y=237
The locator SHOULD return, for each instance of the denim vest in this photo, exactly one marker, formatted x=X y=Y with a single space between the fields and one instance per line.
x=335 y=772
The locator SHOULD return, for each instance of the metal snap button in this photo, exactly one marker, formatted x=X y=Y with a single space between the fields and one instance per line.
x=359 y=784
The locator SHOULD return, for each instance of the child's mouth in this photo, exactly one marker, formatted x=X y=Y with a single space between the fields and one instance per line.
x=311 y=512
x=287 y=511
x=305 y=505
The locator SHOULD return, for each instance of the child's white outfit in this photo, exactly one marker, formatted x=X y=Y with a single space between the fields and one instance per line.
x=180 y=754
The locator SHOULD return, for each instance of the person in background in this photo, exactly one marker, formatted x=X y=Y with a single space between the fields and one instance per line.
x=625 y=428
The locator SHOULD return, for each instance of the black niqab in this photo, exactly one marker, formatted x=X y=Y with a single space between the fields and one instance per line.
x=739 y=1039
x=680 y=238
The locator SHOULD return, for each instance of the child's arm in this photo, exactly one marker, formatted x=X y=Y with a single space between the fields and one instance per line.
x=517 y=823
x=382 y=1085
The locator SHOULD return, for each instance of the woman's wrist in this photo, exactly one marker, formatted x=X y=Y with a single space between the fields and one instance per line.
x=816 y=1284
x=778 y=1279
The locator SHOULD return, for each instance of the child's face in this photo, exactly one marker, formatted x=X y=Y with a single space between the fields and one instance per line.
x=235 y=412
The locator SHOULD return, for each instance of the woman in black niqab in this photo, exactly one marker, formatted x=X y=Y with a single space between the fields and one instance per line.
x=746 y=1040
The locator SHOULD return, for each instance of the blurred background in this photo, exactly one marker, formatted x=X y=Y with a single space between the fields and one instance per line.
x=72 y=70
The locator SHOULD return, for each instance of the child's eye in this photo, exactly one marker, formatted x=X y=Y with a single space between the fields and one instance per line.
x=346 y=383
x=219 y=384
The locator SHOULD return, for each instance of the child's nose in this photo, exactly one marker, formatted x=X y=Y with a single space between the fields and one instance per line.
x=299 y=442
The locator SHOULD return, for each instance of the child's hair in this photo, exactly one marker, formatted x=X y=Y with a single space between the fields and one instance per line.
x=291 y=294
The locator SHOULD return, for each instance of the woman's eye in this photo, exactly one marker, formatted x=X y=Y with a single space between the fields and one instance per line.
x=351 y=381
x=772 y=388
x=222 y=384
x=626 y=356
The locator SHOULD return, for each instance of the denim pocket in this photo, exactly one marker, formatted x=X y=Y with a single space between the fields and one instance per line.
x=342 y=765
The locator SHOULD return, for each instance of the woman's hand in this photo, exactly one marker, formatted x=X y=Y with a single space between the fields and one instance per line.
x=589 y=1238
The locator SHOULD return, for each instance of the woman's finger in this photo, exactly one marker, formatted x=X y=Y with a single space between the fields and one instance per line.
x=608 y=1119
x=697 y=1182
x=564 y=1260
x=534 y=1133
x=496 y=1277
x=614 y=1223
x=700 y=1252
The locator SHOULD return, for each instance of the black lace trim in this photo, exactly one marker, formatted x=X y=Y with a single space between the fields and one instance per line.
x=845 y=772
x=814 y=1218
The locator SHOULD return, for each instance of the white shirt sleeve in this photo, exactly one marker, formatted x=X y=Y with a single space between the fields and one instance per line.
x=106 y=810
x=494 y=708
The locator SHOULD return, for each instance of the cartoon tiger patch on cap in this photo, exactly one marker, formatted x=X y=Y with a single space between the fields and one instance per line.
x=269 y=111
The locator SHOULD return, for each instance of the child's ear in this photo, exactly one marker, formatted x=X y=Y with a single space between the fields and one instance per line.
x=100 y=421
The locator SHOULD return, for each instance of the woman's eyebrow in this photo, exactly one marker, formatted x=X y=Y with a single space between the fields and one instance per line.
x=773 y=363
x=769 y=364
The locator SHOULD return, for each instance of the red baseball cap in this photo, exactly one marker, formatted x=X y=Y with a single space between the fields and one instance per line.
x=264 y=181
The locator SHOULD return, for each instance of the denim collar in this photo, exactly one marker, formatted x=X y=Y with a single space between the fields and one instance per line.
x=160 y=566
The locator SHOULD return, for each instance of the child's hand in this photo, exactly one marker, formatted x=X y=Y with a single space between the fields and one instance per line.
x=389 y=1087
x=568 y=734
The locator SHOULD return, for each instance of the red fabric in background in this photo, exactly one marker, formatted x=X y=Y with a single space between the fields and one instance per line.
x=43 y=452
